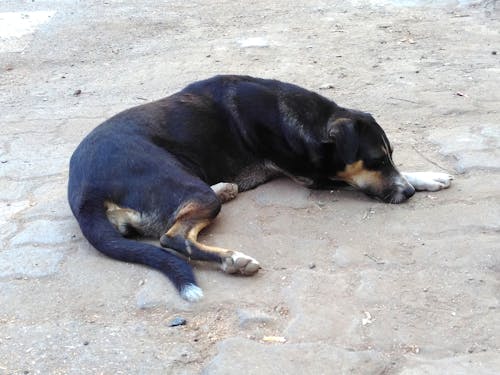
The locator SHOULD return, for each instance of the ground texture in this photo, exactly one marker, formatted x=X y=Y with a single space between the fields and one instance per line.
x=348 y=285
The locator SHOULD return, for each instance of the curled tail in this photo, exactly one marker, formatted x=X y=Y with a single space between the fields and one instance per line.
x=104 y=237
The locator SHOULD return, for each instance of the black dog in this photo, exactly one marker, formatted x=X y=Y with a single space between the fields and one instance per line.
x=147 y=171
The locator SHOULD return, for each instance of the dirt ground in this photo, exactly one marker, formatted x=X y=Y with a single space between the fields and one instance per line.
x=348 y=285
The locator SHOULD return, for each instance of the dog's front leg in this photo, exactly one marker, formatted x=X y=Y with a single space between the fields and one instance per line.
x=428 y=181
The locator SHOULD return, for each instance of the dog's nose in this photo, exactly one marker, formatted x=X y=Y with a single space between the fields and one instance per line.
x=409 y=191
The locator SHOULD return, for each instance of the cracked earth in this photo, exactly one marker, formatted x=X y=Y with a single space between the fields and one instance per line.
x=348 y=285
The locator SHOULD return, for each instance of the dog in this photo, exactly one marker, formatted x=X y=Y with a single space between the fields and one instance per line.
x=164 y=168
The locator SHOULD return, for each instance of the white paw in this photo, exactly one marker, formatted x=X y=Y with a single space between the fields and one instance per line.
x=191 y=293
x=428 y=181
x=239 y=262
x=225 y=191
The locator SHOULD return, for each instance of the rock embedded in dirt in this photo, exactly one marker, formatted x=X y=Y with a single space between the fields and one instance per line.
x=177 y=321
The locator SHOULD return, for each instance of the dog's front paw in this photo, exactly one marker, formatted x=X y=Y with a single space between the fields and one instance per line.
x=239 y=262
x=428 y=181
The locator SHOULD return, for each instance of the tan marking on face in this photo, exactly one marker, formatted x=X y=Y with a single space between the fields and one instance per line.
x=356 y=174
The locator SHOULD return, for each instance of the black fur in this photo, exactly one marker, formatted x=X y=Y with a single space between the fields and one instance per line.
x=155 y=157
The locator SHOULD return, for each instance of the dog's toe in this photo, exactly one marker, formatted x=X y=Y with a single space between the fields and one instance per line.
x=444 y=179
x=240 y=263
x=439 y=181
x=432 y=186
x=251 y=268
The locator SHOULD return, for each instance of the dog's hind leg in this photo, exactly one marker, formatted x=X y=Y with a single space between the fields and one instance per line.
x=182 y=236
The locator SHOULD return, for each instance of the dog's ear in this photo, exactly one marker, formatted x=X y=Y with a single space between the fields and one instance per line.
x=343 y=134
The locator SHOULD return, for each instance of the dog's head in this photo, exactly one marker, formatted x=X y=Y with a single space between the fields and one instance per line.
x=363 y=157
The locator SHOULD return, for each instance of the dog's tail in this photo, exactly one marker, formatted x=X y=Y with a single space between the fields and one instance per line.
x=104 y=237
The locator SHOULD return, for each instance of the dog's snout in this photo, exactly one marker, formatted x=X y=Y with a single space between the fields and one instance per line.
x=399 y=191
x=409 y=191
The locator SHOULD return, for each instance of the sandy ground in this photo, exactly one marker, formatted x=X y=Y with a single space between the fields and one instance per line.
x=348 y=285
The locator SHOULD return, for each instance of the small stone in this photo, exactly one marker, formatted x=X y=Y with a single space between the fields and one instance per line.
x=493 y=52
x=77 y=92
x=327 y=86
x=367 y=319
x=177 y=321
x=85 y=343
x=312 y=266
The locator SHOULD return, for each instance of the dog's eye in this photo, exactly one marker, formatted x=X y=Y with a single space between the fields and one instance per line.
x=377 y=163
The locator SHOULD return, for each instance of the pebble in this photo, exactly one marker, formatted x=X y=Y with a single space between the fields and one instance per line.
x=178 y=321
x=327 y=86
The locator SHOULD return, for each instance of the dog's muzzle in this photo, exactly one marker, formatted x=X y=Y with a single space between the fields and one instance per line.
x=399 y=191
